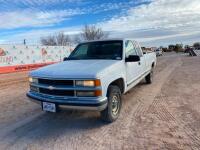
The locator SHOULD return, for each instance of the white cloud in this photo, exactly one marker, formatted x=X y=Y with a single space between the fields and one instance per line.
x=2 y=41
x=13 y=15
x=33 y=36
x=158 y=14
x=35 y=3
x=163 y=21
x=182 y=17
x=16 y=17
x=34 y=18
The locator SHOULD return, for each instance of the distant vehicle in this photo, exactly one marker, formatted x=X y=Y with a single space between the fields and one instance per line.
x=187 y=50
x=93 y=77
x=159 y=52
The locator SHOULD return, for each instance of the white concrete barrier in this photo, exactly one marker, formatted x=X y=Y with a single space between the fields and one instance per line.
x=14 y=57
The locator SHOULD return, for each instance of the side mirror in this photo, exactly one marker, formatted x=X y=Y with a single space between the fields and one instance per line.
x=132 y=58
x=65 y=58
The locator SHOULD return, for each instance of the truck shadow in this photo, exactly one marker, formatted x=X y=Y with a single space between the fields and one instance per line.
x=49 y=126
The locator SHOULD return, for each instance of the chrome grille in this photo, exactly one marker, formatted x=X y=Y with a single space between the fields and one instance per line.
x=58 y=87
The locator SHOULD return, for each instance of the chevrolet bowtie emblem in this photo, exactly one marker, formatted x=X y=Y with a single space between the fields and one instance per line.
x=51 y=88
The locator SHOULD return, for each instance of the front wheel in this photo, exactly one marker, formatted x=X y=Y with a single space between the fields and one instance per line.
x=112 y=111
x=149 y=77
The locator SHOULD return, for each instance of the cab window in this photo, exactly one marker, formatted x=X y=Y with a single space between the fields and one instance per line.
x=138 y=49
x=129 y=48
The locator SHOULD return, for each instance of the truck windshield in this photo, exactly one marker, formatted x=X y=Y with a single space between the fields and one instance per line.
x=98 y=50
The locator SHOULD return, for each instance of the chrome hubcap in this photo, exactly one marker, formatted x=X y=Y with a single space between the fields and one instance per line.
x=115 y=105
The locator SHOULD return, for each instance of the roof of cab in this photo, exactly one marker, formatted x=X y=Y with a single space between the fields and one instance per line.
x=110 y=39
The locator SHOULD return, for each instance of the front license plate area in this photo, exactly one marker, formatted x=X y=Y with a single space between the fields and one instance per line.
x=50 y=107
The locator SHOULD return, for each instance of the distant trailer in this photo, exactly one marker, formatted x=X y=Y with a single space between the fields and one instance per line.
x=194 y=52
x=197 y=52
x=15 y=58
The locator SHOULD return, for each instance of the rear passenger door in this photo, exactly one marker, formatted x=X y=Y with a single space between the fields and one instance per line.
x=132 y=68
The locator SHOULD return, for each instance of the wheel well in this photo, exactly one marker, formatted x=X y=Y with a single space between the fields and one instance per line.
x=120 y=83
x=153 y=64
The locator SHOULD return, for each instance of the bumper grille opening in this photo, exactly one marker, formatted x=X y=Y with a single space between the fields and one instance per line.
x=34 y=89
x=57 y=92
x=56 y=82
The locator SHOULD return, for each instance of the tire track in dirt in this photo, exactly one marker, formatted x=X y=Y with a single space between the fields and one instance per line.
x=10 y=79
x=9 y=83
x=193 y=139
x=162 y=111
x=172 y=135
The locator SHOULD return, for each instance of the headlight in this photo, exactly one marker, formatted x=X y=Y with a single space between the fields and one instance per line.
x=89 y=93
x=89 y=83
x=33 y=80
x=30 y=79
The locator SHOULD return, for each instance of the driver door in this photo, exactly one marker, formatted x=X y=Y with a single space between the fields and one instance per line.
x=132 y=68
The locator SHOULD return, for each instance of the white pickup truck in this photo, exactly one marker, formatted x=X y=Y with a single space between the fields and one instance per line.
x=93 y=77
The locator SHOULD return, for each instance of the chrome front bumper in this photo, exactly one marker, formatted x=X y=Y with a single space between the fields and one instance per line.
x=80 y=103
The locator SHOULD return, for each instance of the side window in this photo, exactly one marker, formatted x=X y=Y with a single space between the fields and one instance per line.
x=129 y=48
x=138 y=49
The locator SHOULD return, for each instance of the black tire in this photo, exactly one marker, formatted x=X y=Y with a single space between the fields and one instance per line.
x=112 y=111
x=149 y=77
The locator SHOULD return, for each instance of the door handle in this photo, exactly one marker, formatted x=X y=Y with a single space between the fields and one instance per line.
x=139 y=63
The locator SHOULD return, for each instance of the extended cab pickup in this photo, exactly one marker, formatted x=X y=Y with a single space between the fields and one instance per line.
x=93 y=77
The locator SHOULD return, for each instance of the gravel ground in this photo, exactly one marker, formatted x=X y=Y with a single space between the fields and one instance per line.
x=163 y=115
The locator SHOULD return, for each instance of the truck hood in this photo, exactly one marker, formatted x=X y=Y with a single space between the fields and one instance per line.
x=75 y=69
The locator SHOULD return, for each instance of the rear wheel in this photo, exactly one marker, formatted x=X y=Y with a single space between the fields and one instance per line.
x=149 y=77
x=112 y=111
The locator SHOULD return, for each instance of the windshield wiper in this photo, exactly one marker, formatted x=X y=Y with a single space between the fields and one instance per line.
x=73 y=59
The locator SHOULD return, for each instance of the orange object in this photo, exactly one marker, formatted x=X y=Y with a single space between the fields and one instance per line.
x=98 y=93
x=18 y=68
x=97 y=82
x=2 y=52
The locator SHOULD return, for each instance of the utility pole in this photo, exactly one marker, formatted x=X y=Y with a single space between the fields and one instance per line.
x=24 y=41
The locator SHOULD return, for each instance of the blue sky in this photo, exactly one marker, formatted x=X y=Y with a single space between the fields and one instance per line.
x=152 y=22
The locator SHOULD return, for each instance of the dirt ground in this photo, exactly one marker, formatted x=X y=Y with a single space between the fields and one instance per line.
x=163 y=115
